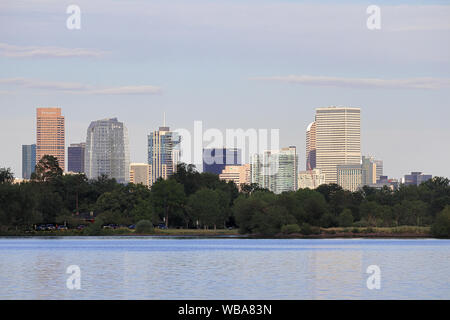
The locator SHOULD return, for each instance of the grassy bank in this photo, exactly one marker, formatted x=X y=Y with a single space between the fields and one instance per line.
x=322 y=233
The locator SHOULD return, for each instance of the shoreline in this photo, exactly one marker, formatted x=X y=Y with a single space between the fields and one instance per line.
x=332 y=233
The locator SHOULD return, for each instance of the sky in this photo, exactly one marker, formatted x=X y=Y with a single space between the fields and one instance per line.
x=231 y=64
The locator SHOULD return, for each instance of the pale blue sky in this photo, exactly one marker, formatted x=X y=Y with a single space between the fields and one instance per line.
x=228 y=63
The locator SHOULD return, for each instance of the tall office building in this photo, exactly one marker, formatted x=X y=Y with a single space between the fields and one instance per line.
x=28 y=160
x=277 y=170
x=107 y=150
x=369 y=171
x=163 y=153
x=311 y=146
x=349 y=176
x=338 y=139
x=379 y=172
x=75 y=157
x=216 y=159
x=140 y=173
x=50 y=135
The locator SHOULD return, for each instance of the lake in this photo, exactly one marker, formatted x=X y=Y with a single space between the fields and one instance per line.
x=223 y=268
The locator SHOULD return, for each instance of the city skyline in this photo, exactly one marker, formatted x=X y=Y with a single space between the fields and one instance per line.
x=204 y=66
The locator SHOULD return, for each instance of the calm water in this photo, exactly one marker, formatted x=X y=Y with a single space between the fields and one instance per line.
x=169 y=268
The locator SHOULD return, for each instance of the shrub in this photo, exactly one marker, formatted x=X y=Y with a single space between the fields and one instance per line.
x=306 y=229
x=144 y=227
x=290 y=228
x=345 y=218
x=355 y=230
x=441 y=226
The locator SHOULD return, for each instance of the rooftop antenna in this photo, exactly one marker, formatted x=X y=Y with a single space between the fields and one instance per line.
x=164 y=119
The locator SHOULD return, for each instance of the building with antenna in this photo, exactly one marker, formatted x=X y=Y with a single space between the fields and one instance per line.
x=163 y=152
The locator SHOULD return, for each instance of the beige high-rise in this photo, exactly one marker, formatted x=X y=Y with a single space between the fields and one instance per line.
x=238 y=174
x=338 y=139
x=140 y=173
x=50 y=135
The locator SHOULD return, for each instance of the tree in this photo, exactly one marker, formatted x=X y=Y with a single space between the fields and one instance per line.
x=205 y=207
x=441 y=226
x=167 y=197
x=345 y=218
x=47 y=169
x=6 y=176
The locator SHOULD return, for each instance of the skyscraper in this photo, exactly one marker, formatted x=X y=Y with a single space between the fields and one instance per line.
x=379 y=172
x=28 y=160
x=163 y=152
x=50 y=135
x=216 y=159
x=107 y=150
x=75 y=157
x=276 y=170
x=338 y=139
x=369 y=171
x=311 y=146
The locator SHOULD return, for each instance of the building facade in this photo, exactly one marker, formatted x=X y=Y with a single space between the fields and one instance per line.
x=369 y=171
x=107 y=150
x=50 y=135
x=277 y=170
x=311 y=146
x=28 y=160
x=140 y=173
x=163 y=153
x=216 y=159
x=416 y=178
x=310 y=179
x=338 y=139
x=349 y=176
x=238 y=174
x=75 y=157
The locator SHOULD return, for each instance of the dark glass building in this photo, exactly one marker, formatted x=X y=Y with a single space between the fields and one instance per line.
x=76 y=157
x=416 y=178
x=28 y=160
x=215 y=160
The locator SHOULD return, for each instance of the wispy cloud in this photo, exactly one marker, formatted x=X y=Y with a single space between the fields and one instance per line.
x=408 y=83
x=13 y=51
x=79 y=88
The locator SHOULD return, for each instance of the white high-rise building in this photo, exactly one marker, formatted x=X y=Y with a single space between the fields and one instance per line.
x=338 y=139
x=276 y=170
x=107 y=150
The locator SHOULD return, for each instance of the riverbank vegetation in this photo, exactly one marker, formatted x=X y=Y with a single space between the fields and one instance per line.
x=193 y=200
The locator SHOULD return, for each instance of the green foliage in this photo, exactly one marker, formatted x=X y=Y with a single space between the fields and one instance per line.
x=441 y=226
x=6 y=176
x=345 y=218
x=290 y=229
x=94 y=229
x=47 y=169
x=144 y=227
x=189 y=196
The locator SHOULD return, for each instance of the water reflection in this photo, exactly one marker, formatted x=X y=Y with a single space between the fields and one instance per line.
x=152 y=268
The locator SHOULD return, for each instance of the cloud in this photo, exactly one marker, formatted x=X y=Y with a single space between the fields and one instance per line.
x=13 y=51
x=408 y=83
x=78 y=88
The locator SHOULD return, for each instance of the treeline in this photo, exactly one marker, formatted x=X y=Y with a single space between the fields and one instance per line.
x=190 y=199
